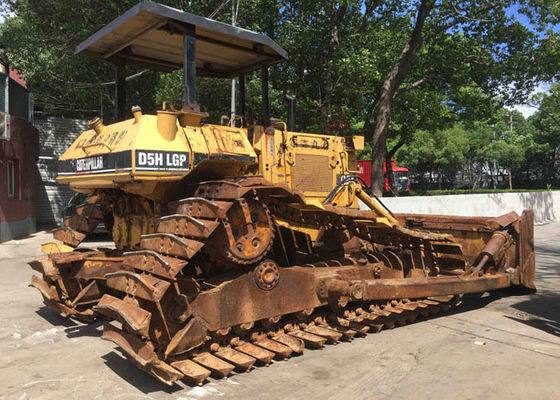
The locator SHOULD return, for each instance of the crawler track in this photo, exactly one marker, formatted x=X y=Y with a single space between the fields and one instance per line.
x=226 y=351
x=72 y=280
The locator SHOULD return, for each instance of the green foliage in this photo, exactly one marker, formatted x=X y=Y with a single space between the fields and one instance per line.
x=441 y=151
x=447 y=117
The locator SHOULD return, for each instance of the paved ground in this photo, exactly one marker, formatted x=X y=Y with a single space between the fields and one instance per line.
x=496 y=348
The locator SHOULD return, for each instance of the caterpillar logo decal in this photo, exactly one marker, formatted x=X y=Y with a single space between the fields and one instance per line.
x=100 y=164
x=148 y=160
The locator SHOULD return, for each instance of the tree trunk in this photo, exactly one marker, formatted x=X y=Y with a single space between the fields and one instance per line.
x=337 y=14
x=389 y=165
x=390 y=175
x=510 y=178
x=388 y=91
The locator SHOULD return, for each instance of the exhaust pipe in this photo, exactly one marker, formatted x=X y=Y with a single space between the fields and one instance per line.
x=291 y=112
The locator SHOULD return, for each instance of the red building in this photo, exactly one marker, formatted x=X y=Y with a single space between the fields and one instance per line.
x=19 y=148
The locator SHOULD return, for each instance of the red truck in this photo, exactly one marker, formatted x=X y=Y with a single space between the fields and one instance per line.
x=402 y=182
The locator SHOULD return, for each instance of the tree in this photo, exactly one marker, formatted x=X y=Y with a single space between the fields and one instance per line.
x=438 y=153
x=501 y=51
x=547 y=133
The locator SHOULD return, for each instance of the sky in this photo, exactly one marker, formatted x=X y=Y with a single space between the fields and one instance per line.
x=526 y=109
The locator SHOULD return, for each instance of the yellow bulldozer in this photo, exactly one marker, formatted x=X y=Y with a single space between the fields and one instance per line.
x=239 y=243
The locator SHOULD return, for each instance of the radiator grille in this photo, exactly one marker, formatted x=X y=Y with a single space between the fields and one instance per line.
x=312 y=173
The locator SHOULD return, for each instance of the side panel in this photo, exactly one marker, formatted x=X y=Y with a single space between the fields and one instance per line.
x=310 y=163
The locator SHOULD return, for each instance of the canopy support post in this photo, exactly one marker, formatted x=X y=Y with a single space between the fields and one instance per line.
x=189 y=67
x=242 y=95
x=120 y=92
x=264 y=88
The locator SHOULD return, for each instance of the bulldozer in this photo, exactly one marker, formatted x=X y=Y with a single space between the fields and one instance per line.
x=239 y=243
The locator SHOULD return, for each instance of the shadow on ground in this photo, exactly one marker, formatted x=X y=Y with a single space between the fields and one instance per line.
x=544 y=311
x=72 y=329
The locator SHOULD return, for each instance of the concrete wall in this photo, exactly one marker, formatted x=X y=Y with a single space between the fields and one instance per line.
x=546 y=205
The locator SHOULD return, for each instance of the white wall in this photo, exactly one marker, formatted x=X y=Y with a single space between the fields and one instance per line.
x=546 y=205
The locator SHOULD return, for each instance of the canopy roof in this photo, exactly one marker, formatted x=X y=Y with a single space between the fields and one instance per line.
x=150 y=35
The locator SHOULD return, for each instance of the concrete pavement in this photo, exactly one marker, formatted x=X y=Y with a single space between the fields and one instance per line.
x=496 y=348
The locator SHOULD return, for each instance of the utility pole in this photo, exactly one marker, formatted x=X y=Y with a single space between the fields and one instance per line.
x=511 y=121
x=234 y=9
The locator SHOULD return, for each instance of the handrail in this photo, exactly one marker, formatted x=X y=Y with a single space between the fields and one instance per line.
x=87 y=146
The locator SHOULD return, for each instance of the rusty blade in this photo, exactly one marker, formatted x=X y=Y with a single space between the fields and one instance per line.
x=142 y=354
x=199 y=207
x=193 y=372
x=92 y=210
x=332 y=336
x=90 y=293
x=152 y=262
x=295 y=344
x=192 y=335
x=279 y=349
x=144 y=286
x=170 y=244
x=67 y=258
x=96 y=267
x=49 y=292
x=218 y=366
x=240 y=360
x=45 y=266
x=260 y=354
x=69 y=236
x=347 y=333
x=134 y=318
x=81 y=223
x=186 y=225
x=312 y=341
